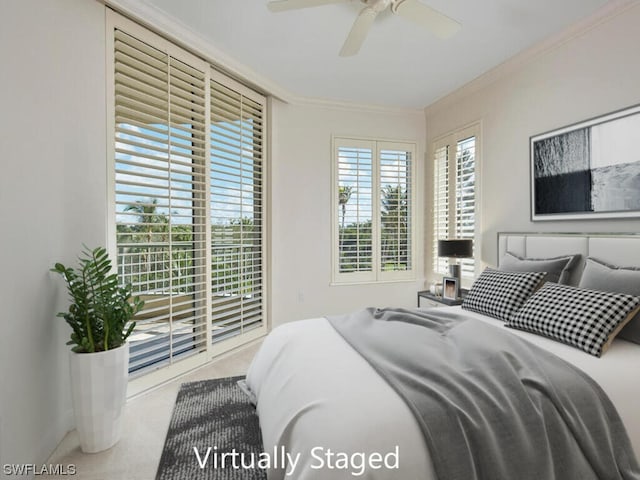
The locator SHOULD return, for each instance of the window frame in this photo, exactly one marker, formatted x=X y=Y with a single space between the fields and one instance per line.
x=451 y=140
x=376 y=275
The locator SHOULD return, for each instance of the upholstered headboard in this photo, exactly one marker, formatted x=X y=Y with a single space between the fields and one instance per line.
x=621 y=249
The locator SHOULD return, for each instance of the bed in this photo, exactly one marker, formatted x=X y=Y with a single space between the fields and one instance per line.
x=328 y=407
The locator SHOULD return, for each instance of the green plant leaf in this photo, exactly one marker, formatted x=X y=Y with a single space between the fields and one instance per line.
x=100 y=309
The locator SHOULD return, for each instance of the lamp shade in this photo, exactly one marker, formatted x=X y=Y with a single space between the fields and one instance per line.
x=458 y=248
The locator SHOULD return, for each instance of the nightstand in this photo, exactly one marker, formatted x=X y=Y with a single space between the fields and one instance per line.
x=426 y=299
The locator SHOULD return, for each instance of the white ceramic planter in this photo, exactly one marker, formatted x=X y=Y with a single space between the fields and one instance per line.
x=99 y=391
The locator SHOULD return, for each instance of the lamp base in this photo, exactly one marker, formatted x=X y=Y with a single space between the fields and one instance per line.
x=454 y=271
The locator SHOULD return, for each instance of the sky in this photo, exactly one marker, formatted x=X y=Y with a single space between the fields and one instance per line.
x=355 y=169
x=231 y=165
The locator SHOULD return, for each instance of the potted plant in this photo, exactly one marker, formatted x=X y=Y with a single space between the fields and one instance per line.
x=100 y=316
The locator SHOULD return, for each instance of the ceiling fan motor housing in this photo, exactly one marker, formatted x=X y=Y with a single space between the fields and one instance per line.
x=378 y=5
x=395 y=4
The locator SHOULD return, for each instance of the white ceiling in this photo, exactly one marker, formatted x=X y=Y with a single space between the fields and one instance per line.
x=399 y=65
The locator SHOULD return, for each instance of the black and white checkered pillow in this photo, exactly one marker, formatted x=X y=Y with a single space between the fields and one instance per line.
x=500 y=294
x=586 y=319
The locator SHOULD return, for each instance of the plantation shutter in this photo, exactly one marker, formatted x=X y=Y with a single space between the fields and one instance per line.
x=454 y=195
x=395 y=209
x=373 y=210
x=440 y=205
x=465 y=196
x=236 y=202
x=160 y=208
x=355 y=170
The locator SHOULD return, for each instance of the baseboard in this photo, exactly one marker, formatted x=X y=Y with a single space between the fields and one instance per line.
x=52 y=438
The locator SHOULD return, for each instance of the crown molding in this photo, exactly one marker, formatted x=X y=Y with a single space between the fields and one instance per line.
x=612 y=9
x=164 y=24
x=353 y=106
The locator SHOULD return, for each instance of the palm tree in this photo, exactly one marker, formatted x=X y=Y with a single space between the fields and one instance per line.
x=149 y=218
x=344 y=195
x=150 y=223
x=394 y=218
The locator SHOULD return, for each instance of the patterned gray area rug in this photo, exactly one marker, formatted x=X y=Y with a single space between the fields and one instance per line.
x=211 y=418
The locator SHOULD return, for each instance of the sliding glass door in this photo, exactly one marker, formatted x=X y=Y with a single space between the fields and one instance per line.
x=188 y=192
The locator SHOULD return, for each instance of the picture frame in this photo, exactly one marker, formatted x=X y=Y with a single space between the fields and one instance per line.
x=588 y=170
x=450 y=288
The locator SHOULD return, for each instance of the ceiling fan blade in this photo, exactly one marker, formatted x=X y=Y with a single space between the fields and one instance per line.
x=358 y=32
x=283 y=5
x=438 y=23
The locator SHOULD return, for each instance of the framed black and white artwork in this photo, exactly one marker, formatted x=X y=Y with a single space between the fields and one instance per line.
x=588 y=170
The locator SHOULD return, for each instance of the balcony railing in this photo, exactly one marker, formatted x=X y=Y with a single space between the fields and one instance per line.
x=153 y=268
x=166 y=279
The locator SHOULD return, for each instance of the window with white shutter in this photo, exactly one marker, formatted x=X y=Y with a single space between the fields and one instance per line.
x=440 y=205
x=465 y=209
x=355 y=205
x=373 y=210
x=454 y=194
x=236 y=209
x=188 y=193
x=396 y=249
x=160 y=168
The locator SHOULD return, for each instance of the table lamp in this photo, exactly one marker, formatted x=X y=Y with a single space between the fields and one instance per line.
x=455 y=248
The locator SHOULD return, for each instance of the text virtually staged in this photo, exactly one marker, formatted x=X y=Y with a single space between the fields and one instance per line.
x=321 y=458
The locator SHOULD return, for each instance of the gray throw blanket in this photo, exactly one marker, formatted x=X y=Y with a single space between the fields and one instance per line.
x=491 y=405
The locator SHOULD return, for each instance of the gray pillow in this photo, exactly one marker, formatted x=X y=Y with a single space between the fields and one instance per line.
x=558 y=268
x=598 y=275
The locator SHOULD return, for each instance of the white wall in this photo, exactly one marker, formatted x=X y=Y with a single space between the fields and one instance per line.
x=301 y=209
x=589 y=75
x=52 y=199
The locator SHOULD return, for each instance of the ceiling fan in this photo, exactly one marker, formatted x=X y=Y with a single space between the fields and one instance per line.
x=434 y=21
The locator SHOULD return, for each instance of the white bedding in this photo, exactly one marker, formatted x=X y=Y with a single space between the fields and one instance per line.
x=304 y=377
